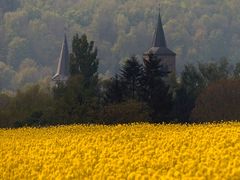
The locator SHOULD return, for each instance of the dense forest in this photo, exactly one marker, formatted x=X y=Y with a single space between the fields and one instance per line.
x=31 y=32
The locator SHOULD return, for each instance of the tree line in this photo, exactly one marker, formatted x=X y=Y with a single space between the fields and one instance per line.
x=138 y=92
x=31 y=32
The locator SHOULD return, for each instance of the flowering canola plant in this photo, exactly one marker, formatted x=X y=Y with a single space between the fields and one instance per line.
x=137 y=151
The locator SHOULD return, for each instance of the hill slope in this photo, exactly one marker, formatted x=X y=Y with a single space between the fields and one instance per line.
x=33 y=30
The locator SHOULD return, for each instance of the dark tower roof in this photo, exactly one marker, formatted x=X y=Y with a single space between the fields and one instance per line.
x=159 y=46
x=62 y=73
x=159 y=36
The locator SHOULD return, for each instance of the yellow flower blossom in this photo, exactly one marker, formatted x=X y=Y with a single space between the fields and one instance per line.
x=137 y=151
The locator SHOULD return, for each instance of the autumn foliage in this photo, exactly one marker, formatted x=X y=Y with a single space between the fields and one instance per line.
x=219 y=101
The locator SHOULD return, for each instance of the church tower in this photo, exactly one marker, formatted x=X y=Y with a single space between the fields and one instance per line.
x=159 y=49
x=62 y=73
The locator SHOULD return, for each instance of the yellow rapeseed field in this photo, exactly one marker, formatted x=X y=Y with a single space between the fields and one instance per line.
x=139 y=151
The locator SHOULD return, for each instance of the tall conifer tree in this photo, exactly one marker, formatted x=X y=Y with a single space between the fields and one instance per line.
x=83 y=59
x=131 y=73
x=154 y=90
x=114 y=91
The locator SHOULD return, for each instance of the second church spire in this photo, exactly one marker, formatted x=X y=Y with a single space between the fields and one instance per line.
x=159 y=36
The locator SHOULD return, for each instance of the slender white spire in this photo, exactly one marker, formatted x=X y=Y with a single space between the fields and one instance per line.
x=62 y=73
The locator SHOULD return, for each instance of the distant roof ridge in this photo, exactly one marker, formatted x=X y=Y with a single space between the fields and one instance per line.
x=160 y=51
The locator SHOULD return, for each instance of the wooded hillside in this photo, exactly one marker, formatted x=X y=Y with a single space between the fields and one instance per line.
x=31 y=32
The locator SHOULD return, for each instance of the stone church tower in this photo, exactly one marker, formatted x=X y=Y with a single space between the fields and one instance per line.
x=159 y=49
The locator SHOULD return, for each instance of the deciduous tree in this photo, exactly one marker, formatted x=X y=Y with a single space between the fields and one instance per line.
x=219 y=101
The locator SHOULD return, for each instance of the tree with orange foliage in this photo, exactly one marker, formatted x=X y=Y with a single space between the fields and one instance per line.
x=219 y=101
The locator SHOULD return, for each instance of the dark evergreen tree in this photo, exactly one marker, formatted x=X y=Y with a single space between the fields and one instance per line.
x=131 y=73
x=83 y=59
x=114 y=91
x=84 y=62
x=154 y=90
x=192 y=83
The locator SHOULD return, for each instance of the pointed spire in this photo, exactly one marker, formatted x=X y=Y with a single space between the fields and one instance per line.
x=63 y=62
x=159 y=36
